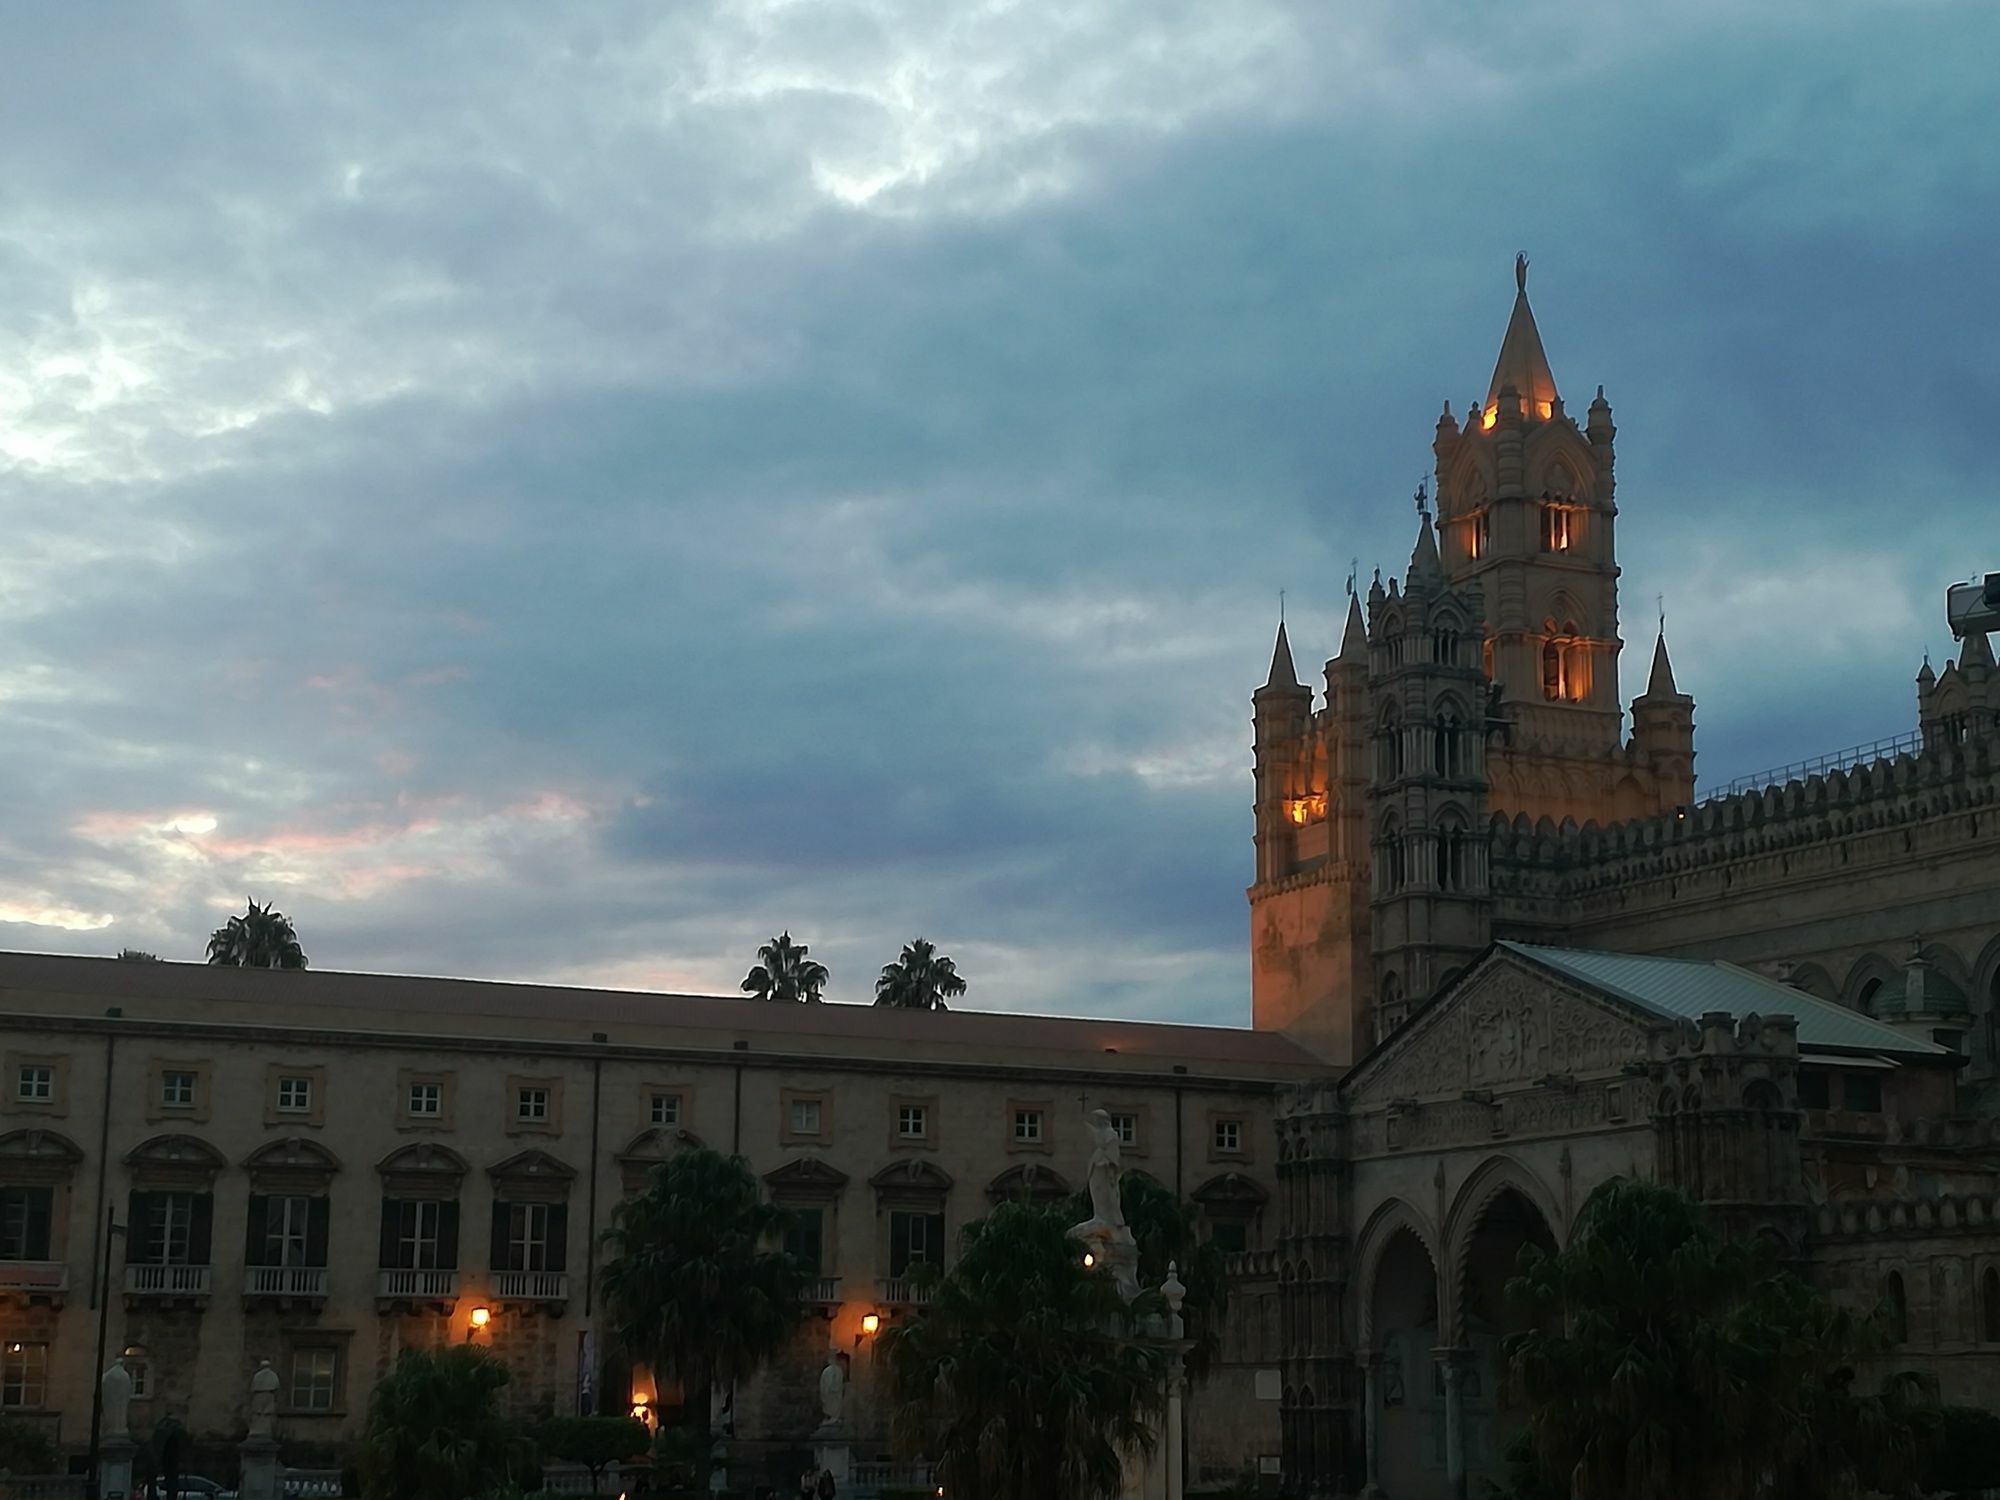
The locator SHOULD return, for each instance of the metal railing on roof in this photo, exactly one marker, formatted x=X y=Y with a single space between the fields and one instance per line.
x=1819 y=765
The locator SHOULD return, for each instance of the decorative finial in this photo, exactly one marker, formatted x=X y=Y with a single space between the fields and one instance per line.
x=1520 y=273
x=1353 y=572
x=1281 y=606
x=1661 y=601
x=1423 y=498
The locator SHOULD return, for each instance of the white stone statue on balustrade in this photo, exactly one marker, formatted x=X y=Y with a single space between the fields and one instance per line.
x=833 y=1391
x=1107 y=1210
x=116 y=1387
x=263 y=1400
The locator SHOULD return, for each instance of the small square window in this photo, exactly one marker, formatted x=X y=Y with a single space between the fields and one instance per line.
x=531 y=1104
x=1027 y=1125
x=313 y=1383
x=805 y=1117
x=427 y=1100
x=1228 y=1135
x=35 y=1083
x=666 y=1109
x=295 y=1095
x=177 y=1089
x=913 y=1122
x=1127 y=1126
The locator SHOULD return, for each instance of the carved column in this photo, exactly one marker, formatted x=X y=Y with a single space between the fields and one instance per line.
x=1371 y=1403
x=1451 y=1366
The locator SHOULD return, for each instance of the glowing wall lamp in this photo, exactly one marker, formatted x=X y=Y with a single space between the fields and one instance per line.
x=476 y=1323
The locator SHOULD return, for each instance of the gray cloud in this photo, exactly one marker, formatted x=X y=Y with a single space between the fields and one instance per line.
x=565 y=496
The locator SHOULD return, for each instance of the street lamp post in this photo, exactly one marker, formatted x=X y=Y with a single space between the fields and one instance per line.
x=112 y=1229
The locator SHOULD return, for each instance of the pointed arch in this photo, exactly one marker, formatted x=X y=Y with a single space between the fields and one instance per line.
x=1392 y=1218
x=1492 y=1177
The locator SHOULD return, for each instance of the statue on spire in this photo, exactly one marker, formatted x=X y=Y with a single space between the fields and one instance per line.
x=1520 y=273
x=1423 y=498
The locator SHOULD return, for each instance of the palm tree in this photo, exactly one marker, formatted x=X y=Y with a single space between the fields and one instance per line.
x=435 y=1430
x=1168 y=1233
x=690 y=1287
x=1667 y=1361
x=1018 y=1379
x=783 y=972
x=259 y=939
x=922 y=979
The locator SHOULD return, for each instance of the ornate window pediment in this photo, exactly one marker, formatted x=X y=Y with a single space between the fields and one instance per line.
x=423 y=1169
x=1232 y=1194
x=170 y=1162
x=531 y=1177
x=649 y=1148
x=1030 y=1182
x=805 y=1179
x=294 y=1164
x=911 y=1181
x=38 y=1158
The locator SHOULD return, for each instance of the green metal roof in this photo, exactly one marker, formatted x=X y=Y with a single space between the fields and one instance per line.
x=1686 y=988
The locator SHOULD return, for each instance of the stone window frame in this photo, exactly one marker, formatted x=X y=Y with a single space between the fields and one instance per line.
x=789 y=1136
x=57 y=1104
x=551 y=1121
x=195 y=1111
x=294 y=1341
x=1042 y=1144
x=447 y=1082
x=1217 y=1119
x=313 y=1115
x=1141 y=1115
x=928 y=1103
x=33 y=1157
x=810 y=1183
x=680 y=1093
x=17 y=1350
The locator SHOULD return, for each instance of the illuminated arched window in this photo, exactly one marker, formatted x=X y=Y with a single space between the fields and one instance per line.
x=1565 y=663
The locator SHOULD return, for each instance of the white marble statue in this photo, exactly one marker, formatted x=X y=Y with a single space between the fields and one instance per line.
x=117 y=1389
x=263 y=1400
x=833 y=1389
x=1107 y=1212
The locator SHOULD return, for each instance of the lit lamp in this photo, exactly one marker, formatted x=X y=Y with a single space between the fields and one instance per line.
x=871 y=1324
x=481 y=1316
x=1089 y=1260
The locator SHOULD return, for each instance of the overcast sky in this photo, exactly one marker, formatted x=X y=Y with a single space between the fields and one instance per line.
x=563 y=492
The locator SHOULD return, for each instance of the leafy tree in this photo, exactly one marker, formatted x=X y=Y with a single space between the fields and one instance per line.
x=138 y=956
x=259 y=939
x=783 y=972
x=595 y=1442
x=435 y=1430
x=1018 y=1378
x=690 y=1287
x=1667 y=1361
x=1168 y=1233
x=921 y=979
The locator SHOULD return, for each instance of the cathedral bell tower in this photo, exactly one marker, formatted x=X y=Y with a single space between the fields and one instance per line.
x=1427 y=798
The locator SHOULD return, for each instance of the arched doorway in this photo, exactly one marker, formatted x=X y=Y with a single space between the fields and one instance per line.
x=1492 y=1410
x=1407 y=1416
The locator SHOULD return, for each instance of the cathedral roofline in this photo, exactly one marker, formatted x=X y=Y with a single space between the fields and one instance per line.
x=1523 y=365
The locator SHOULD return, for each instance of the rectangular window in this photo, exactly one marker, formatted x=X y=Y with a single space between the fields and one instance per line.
x=527 y=1237
x=1028 y=1126
x=313 y=1378
x=1230 y=1236
x=414 y=1237
x=295 y=1096
x=169 y=1228
x=1228 y=1136
x=427 y=1100
x=915 y=1240
x=176 y=1089
x=35 y=1083
x=24 y=1375
x=1127 y=1126
x=805 y=1117
x=25 y=1213
x=285 y=1222
x=137 y=1366
x=1813 y=1090
x=666 y=1109
x=913 y=1122
x=531 y=1104
x=805 y=1239
x=1861 y=1093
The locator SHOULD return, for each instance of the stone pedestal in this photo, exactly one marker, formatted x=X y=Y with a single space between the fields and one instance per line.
x=114 y=1467
x=259 y=1456
x=834 y=1454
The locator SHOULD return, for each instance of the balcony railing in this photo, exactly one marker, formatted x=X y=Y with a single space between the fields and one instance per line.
x=904 y=1290
x=531 y=1286
x=33 y=1276
x=424 y=1285
x=284 y=1281
x=823 y=1291
x=167 y=1281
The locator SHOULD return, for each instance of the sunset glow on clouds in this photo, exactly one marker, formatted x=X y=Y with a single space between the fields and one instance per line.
x=567 y=492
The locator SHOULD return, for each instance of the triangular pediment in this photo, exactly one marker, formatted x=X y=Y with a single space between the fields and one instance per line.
x=1504 y=1024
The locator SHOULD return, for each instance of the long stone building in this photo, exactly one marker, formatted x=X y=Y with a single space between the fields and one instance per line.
x=1501 y=953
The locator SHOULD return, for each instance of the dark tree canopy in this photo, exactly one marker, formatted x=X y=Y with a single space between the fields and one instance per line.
x=921 y=979
x=784 y=972
x=435 y=1430
x=259 y=939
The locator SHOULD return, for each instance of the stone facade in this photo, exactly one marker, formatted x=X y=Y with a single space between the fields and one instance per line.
x=322 y=1169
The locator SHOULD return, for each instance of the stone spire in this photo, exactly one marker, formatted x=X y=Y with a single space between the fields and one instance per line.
x=1523 y=365
x=1354 y=639
x=1425 y=569
x=1661 y=683
x=1283 y=673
